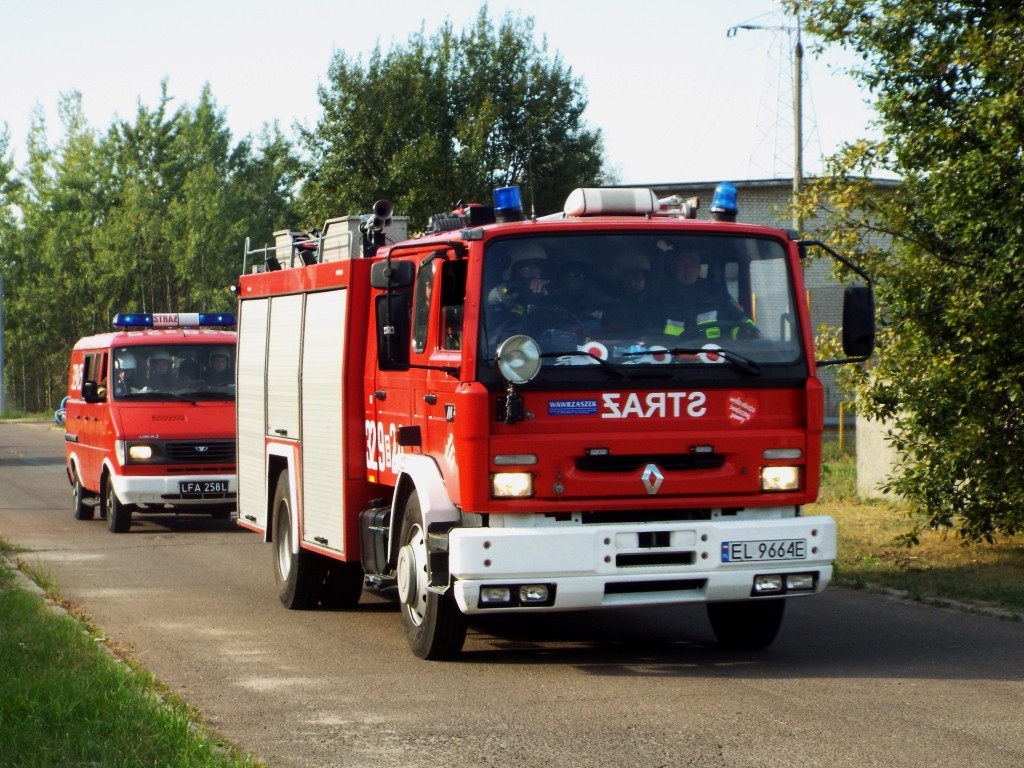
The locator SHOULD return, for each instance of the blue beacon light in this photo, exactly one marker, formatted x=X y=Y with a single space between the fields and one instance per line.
x=508 y=204
x=723 y=202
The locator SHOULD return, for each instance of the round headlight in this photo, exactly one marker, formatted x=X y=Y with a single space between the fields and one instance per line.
x=519 y=359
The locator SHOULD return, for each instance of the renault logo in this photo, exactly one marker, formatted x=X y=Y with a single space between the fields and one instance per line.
x=652 y=478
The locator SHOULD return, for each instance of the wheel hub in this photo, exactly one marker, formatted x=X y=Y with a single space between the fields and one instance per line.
x=407 y=574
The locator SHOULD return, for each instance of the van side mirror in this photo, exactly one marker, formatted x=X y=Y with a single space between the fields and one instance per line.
x=858 y=321
x=90 y=393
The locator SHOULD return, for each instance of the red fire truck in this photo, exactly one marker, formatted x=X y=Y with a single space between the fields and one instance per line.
x=515 y=414
x=149 y=421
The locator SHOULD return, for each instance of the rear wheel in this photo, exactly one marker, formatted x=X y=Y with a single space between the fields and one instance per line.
x=82 y=510
x=297 y=573
x=119 y=516
x=433 y=623
x=747 y=624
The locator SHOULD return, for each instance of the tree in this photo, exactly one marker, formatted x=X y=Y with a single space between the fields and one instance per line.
x=149 y=216
x=947 y=79
x=449 y=118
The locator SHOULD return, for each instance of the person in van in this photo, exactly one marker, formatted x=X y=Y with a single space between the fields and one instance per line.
x=126 y=378
x=160 y=375
x=219 y=373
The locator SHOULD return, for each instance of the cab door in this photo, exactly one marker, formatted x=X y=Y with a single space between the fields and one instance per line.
x=92 y=420
x=396 y=417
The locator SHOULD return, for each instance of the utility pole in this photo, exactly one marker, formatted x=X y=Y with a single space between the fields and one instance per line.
x=798 y=78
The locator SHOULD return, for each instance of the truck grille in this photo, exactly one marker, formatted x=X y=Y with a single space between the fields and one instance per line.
x=201 y=451
x=671 y=462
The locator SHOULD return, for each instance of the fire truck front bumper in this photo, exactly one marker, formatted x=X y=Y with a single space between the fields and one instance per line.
x=176 y=490
x=576 y=567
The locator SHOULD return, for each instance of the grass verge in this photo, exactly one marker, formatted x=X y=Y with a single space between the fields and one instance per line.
x=66 y=700
x=942 y=567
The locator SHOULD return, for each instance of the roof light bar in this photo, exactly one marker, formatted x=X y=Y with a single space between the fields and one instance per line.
x=598 y=201
x=174 y=320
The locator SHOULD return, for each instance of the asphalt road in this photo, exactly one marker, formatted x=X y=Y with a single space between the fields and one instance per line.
x=854 y=679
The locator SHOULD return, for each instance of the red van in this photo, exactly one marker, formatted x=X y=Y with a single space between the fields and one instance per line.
x=150 y=418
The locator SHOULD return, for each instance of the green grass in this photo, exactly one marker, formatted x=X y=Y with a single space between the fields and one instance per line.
x=941 y=567
x=67 y=701
x=15 y=414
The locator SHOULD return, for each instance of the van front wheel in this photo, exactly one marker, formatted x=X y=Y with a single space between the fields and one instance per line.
x=83 y=511
x=119 y=516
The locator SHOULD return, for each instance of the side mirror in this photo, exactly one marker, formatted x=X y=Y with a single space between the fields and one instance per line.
x=392 y=274
x=858 y=321
x=90 y=393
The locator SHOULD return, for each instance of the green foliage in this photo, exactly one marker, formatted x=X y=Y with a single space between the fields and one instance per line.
x=148 y=217
x=447 y=118
x=947 y=81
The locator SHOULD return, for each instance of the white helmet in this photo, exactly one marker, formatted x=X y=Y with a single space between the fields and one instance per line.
x=125 y=361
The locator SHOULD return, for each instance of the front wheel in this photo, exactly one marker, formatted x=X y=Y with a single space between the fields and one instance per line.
x=119 y=516
x=748 y=625
x=82 y=510
x=433 y=623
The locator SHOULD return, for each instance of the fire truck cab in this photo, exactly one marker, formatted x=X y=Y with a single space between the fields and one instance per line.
x=615 y=405
x=149 y=421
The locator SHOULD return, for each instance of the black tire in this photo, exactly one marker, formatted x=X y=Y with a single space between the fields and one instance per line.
x=748 y=625
x=298 y=576
x=119 y=516
x=82 y=510
x=433 y=623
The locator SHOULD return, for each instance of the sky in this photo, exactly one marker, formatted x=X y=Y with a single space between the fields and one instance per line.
x=679 y=92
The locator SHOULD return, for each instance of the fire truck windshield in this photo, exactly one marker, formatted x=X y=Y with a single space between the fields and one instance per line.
x=173 y=372
x=640 y=299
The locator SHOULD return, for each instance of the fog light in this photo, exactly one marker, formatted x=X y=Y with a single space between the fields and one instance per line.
x=533 y=593
x=512 y=459
x=774 y=454
x=800 y=582
x=495 y=595
x=768 y=585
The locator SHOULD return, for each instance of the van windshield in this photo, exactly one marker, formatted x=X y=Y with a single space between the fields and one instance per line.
x=173 y=372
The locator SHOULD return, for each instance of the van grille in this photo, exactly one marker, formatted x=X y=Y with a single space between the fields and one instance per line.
x=201 y=451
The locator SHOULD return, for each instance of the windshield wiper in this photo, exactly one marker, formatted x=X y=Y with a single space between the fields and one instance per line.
x=580 y=353
x=742 y=362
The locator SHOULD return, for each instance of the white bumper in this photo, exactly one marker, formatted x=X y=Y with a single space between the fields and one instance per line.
x=595 y=566
x=157 y=490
